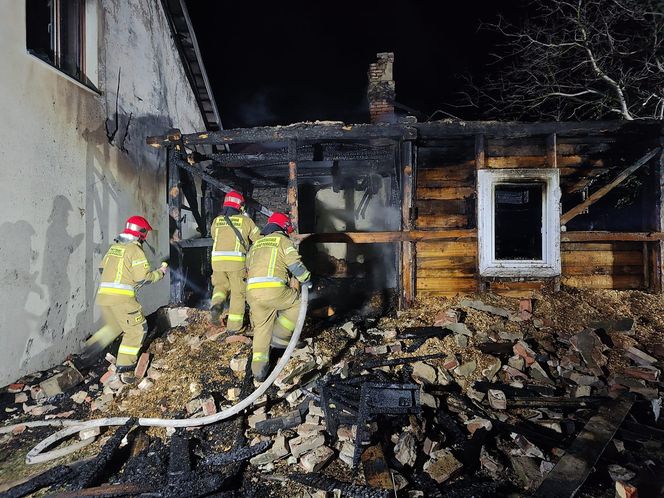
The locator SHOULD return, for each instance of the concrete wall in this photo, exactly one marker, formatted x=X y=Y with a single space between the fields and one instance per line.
x=69 y=180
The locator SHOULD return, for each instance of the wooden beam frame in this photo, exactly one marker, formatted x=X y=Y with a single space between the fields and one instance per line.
x=595 y=196
x=298 y=131
x=408 y=257
x=364 y=237
x=611 y=236
x=292 y=194
x=222 y=186
x=175 y=212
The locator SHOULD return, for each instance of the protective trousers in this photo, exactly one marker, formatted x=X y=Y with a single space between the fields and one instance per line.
x=121 y=318
x=233 y=282
x=273 y=314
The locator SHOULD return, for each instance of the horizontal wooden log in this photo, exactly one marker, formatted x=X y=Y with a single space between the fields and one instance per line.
x=445 y=273
x=386 y=237
x=447 y=284
x=610 y=236
x=612 y=269
x=617 y=282
x=601 y=258
x=436 y=250
x=444 y=193
x=525 y=289
x=440 y=207
x=442 y=221
x=600 y=246
x=451 y=262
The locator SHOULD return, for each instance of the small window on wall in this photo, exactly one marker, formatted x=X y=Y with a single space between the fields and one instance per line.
x=63 y=33
x=519 y=223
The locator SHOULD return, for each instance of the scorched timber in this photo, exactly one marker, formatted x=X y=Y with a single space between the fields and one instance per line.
x=575 y=466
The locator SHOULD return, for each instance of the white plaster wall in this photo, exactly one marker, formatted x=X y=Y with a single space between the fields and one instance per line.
x=66 y=189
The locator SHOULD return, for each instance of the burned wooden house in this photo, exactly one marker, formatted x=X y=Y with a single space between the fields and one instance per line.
x=437 y=208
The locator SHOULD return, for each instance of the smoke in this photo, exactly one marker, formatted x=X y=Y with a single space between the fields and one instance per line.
x=257 y=111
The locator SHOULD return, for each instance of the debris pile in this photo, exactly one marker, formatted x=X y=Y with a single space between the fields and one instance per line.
x=484 y=397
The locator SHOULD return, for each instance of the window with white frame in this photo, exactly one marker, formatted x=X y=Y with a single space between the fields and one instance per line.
x=63 y=33
x=519 y=222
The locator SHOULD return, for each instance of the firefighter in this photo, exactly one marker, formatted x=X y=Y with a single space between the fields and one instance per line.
x=273 y=304
x=232 y=232
x=123 y=270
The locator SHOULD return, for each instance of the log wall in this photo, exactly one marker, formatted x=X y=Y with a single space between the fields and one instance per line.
x=445 y=198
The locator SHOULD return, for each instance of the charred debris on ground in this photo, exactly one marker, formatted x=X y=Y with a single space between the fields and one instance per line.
x=559 y=395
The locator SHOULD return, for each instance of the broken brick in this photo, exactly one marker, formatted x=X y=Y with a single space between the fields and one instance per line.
x=106 y=377
x=142 y=365
x=61 y=382
x=639 y=356
x=15 y=388
x=645 y=373
x=302 y=444
x=316 y=459
x=209 y=406
x=525 y=309
x=523 y=350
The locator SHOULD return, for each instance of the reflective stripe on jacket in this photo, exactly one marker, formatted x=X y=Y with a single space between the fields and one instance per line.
x=271 y=259
x=123 y=268
x=228 y=254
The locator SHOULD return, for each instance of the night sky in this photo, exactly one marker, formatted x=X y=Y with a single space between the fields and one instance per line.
x=283 y=62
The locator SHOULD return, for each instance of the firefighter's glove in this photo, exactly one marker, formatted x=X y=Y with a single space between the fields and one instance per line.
x=164 y=268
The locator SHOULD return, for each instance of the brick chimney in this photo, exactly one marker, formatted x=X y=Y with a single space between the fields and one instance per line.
x=381 y=91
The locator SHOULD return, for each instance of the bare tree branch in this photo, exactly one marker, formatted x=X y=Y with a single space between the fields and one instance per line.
x=577 y=59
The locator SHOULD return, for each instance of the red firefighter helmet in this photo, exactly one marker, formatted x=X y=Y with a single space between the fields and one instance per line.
x=138 y=227
x=282 y=220
x=234 y=199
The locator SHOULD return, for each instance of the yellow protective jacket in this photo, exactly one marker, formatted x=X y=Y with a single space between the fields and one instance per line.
x=228 y=254
x=271 y=259
x=123 y=269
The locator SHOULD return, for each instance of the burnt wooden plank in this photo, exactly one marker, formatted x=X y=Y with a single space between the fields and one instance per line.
x=443 y=193
x=575 y=466
x=428 y=221
x=297 y=131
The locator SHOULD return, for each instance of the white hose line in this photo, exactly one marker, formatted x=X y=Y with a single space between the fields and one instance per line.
x=40 y=423
x=36 y=455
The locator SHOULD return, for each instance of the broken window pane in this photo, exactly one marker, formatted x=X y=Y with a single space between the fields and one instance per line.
x=518 y=221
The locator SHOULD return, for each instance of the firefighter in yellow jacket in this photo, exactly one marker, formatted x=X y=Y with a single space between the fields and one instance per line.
x=273 y=305
x=123 y=270
x=232 y=232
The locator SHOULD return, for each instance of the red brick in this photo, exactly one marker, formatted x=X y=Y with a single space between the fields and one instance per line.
x=19 y=429
x=522 y=349
x=15 y=388
x=645 y=373
x=209 y=406
x=107 y=376
x=142 y=365
x=526 y=309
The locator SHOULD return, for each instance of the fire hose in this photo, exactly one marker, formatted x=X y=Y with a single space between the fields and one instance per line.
x=37 y=454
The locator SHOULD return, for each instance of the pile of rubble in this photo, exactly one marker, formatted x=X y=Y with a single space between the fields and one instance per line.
x=463 y=397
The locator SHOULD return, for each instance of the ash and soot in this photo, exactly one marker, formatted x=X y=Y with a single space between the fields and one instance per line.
x=475 y=396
